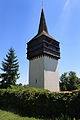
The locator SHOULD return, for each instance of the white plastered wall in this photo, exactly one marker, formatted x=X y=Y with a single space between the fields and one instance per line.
x=43 y=73
x=36 y=72
x=51 y=74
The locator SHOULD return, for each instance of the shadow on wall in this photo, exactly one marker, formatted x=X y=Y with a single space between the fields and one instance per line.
x=50 y=64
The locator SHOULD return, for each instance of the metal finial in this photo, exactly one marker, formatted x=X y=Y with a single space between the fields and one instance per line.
x=42 y=4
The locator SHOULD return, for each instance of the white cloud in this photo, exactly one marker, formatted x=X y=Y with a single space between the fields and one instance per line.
x=71 y=4
x=66 y=4
x=66 y=16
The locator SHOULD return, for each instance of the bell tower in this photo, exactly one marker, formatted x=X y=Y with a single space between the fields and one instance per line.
x=43 y=53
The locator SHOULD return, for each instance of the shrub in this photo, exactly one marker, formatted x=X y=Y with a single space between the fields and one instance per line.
x=40 y=103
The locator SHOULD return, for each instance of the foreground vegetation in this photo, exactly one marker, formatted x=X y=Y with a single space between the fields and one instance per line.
x=4 y=115
x=40 y=103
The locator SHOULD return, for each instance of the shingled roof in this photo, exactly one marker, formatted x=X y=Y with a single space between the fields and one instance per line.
x=42 y=25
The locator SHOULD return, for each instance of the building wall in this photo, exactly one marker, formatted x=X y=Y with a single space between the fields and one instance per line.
x=36 y=72
x=51 y=75
x=43 y=73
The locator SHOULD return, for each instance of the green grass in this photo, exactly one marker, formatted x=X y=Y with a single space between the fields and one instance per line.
x=4 y=115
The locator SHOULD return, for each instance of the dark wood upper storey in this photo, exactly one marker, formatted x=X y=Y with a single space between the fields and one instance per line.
x=43 y=43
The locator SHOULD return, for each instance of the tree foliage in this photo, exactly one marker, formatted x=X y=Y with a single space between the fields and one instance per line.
x=69 y=81
x=10 y=69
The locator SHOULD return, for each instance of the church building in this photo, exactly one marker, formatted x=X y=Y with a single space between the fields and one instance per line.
x=43 y=52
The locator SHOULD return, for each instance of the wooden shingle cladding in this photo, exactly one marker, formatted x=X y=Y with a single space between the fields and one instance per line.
x=43 y=45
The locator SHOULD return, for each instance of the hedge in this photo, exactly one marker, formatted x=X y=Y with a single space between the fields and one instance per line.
x=40 y=103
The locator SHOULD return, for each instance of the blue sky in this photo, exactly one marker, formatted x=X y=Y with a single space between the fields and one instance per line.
x=19 y=21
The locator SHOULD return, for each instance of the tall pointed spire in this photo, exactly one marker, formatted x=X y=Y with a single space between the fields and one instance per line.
x=42 y=25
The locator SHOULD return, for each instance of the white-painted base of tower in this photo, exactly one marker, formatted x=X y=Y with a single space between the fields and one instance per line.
x=43 y=73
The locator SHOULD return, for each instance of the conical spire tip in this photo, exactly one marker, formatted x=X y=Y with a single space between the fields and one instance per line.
x=42 y=25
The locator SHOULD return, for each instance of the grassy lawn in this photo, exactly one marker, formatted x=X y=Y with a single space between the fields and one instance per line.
x=4 y=115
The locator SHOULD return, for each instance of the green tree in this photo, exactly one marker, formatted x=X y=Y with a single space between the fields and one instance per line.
x=69 y=81
x=10 y=68
x=63 y=82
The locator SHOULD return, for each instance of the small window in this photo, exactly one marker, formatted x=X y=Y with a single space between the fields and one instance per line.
x=36 y=81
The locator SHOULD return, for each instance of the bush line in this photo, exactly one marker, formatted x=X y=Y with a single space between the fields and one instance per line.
x=41 y=103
